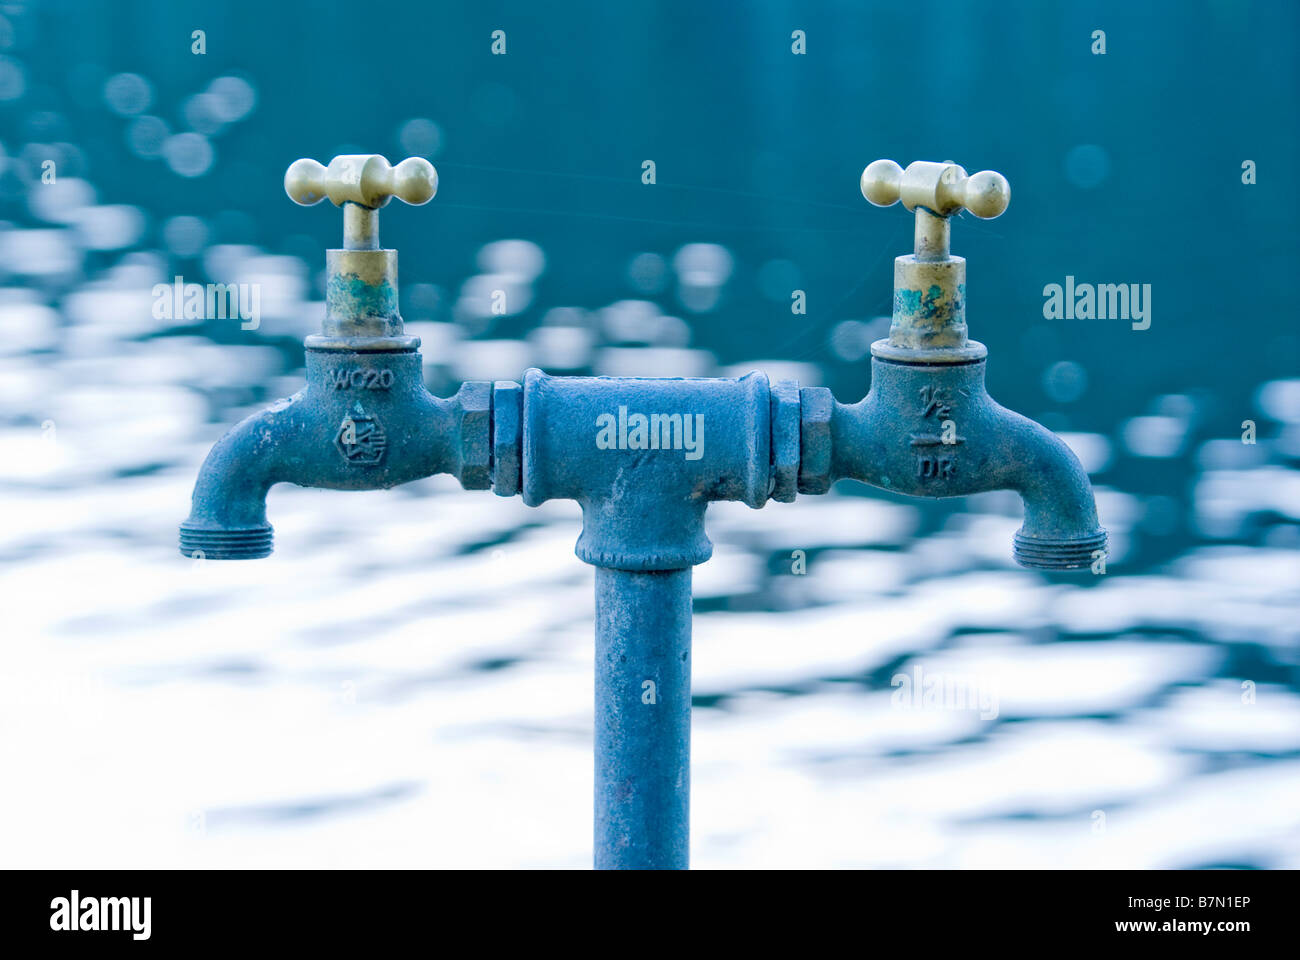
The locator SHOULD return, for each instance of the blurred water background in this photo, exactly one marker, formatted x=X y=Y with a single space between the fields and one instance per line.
x=407 y=681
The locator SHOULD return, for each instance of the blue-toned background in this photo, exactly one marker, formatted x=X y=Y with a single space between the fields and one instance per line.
x=407 y=681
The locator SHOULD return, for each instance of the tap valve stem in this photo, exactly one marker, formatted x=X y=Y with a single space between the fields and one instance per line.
x=361 y=288
x=929 y=323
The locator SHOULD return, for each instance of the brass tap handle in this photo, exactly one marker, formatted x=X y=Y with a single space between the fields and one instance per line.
x=929 y=322
x=935 y=191
x=942 y=188
x=361 y=184
x=364 y=179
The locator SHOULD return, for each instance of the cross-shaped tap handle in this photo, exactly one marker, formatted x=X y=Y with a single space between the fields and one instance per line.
x=361 y=184
x=941 y=188
x=366 y=179
x=935 y=191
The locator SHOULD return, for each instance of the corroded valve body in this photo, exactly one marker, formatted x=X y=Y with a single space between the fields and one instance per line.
x=361 y=278
x=927 y=427
x=364 y=420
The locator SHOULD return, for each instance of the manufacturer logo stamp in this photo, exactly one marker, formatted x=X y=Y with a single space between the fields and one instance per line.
x=361 y=439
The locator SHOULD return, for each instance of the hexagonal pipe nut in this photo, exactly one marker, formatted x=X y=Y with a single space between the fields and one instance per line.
x=474 y=422
x=785 y=440
x=817 y=405
x=507 y=437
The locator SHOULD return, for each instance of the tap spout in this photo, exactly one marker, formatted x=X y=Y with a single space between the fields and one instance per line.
x=364 y=422
x=933 y=431
x=227 y=518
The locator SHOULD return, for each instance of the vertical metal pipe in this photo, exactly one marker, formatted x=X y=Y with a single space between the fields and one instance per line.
x=643 y=719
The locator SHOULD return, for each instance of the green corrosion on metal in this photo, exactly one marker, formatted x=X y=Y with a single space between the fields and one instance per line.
x=929 y=305
x=349 y=296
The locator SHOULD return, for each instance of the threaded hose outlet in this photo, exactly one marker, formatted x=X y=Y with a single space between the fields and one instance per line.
x=200 y=543
x=1041 y=554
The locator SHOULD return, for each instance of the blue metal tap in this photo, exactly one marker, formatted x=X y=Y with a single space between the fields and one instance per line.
x=644 y=458
x=364 y=420
x=927 y=427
